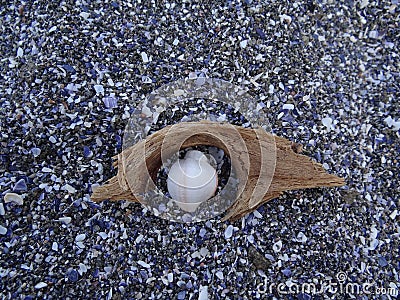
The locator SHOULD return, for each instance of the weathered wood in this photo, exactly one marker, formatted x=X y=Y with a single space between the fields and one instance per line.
x=266 y=165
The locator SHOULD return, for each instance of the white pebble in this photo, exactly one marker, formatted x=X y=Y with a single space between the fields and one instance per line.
x=36 y=152
x=46 y=170
x=2 y=210
x=69 y=188
x=103 y=235
x=82 y=268
x=288 y=106
x=52 y=140
x=80 y=237
x=84 y=15
x=243 y=44
x=257 y=214
x=143 y=264
x=99 y=88
x=373 y=34
x=13 y=197
x=393 y=214
x=40 y=285
x=54 y=247
x=170 y=277
x=138 y=239
x=327 y=122
x=228 y=232
x=271 y=89
x=145 y=58
x=20 y=52
x=80 y=245
x=277 y=246
x=3 y=230
x=250 y=238
x=204 y=252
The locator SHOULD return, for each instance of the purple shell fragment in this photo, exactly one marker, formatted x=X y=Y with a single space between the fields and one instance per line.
x=69 y=69
x=20 y=186
x=87 y=152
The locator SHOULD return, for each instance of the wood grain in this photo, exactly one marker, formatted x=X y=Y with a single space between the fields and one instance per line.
x=266 y=165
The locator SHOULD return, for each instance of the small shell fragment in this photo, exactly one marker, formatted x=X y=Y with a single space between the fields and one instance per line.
x=40 y=285
x=3 y=230
x=13 y=197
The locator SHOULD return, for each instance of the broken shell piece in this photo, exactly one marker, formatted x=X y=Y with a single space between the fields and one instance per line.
x=191 y=181
x=13 y=197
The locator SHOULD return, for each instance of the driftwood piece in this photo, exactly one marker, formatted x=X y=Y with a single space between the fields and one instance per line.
x=265 y=164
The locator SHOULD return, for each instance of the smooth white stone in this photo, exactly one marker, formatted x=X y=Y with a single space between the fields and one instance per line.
x=40 y=285
x=54 y=247
x=288 y=106
x=99 y=88
x=3 y=230
x=143 y=264
x=80 y=237
x=103 y=235
x=145 y=58
x=228 y=232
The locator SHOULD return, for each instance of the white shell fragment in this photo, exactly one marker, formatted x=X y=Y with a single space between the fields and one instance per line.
x=203 y=293
x=145 y=58
x=192 y=180
x=327 y=122
x=228 y=232
x=3 y=230
x=143 y=264
x=13 y=197
x=65 y=220
x=80 y=237
x=40 y=285
x=99 y=88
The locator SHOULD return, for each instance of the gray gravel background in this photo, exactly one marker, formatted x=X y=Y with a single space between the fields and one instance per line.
x=71 y=73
